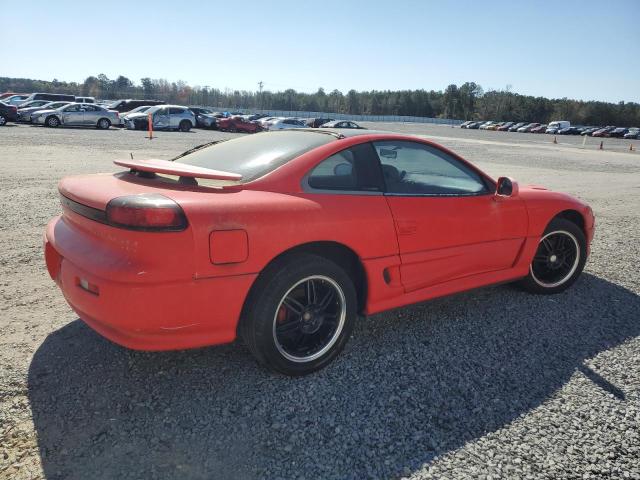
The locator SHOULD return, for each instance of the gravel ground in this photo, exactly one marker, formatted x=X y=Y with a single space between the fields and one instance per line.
x=493 y=383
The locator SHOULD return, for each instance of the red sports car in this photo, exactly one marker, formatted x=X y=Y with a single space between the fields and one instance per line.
x=238 y=124
x=283 y=238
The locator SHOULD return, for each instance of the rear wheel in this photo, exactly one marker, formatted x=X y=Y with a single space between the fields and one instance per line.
x=185 y=126
x=103 y=124
x=559 y=259
x=3 y=120
x=299 y=314
x=52 y=121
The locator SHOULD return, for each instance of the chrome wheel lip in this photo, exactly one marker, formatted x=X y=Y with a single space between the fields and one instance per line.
x=573 y=267
x=334 y=337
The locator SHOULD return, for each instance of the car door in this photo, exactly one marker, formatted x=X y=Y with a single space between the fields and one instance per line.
x=161 y=118
x=73 y=115
x=175 y=116
x=91 y=114
x=449 y=223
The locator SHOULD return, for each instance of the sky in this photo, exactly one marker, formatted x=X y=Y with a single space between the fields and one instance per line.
x=585 y=49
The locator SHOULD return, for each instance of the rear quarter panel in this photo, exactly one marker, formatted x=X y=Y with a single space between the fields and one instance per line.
x=275 y=222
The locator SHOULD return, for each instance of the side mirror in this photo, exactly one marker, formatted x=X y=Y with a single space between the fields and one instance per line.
x=507 y=187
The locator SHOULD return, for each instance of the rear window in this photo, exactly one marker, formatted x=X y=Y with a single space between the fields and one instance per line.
x=256 y=155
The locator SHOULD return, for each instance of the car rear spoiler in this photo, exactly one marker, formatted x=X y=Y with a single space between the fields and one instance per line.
x=179 y=169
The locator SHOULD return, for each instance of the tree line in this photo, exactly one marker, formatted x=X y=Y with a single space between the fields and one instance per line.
x=465 y=102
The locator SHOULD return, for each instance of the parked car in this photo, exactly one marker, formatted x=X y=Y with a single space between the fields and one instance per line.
x=33 y=103
x=527 y=128
x=78 y=114
x=493 y=127
x=618 y=132
x=284 y=124
x=205 y=117
x=266 y=121
x=514 y=128
x=25 y=114
x=466 y=124
x=559 y=124
x=128 y=105
x=342 y=124
x=603 y=132
x=633 y=132
x=6 y=95
x=238 y=123
x=256 y=116
x=505 y=126
x=85 y=100
x=165 y=117
x=15 y=99
x=278 y=255
x=589 y=130
x=485 y=125
x=142 y=109
x=539 y=129
x=474 y=125
x=317 y=122
x=569 y=131
x=8 y=113
x=52 y=97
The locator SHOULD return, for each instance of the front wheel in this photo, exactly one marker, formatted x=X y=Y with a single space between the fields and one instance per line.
x=185 y=126
x=103 y=124
x=300 y=314
x=559 y=259
x=3 y=120
x=52 y=121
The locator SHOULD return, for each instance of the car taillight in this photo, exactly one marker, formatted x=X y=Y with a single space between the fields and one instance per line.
x=147 y=212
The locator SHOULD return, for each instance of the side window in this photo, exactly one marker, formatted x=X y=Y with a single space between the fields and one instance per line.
x=72 y=108
x=352 y=169
x=417 y=169
x=176 y=111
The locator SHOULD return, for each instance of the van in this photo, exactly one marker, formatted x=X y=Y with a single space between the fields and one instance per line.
x=559 y=125
x=52 y=97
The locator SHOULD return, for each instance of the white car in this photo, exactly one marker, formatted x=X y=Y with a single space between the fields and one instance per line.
x=285 y=124
x=485 y=125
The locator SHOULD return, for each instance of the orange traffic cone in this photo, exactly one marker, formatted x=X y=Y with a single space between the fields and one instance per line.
x=601 y=145
x=554 y=140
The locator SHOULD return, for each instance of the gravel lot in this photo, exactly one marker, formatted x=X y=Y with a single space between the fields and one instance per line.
x=493 y=383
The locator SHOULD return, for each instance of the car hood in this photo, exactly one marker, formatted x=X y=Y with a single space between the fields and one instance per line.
x=137 y=115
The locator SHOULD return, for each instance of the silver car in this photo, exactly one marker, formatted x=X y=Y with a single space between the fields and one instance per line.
x=165 y=117
x=78 y=114
x=25 y=114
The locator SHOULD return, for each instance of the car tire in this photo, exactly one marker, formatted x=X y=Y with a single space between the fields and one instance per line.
x=185 y=126
x=52 y=121
x=103 y=124
x=3 y=120
x=559 y=259
x=299 y=314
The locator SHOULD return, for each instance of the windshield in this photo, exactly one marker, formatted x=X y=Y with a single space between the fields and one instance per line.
x=256 y=155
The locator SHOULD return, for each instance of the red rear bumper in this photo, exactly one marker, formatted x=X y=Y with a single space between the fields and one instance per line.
x=149 y=316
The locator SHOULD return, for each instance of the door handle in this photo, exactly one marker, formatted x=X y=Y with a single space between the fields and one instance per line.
x=407 y=227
